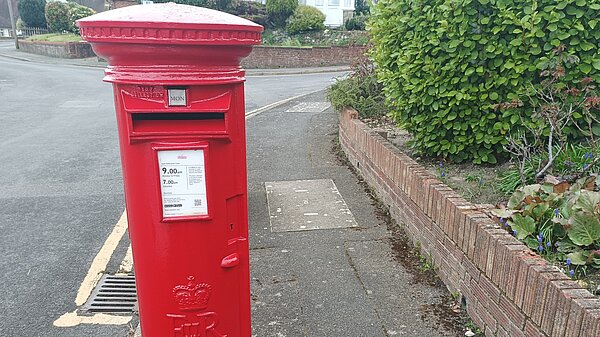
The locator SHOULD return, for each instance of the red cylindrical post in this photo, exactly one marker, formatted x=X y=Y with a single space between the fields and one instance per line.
x=179 y=99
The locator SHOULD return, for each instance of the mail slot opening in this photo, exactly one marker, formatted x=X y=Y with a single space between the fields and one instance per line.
x=177 y=122
x=177 y=116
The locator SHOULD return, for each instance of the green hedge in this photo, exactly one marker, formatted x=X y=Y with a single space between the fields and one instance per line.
x=306 y=19
x=61 y=16
x=445 y=64
x=32 y=12
x=58 y=17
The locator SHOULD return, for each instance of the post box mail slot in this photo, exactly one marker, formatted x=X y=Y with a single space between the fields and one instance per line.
x=179 y=100
x=174 y=123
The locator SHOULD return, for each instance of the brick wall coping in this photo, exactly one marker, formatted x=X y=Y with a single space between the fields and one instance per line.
x=57 y=49
x=51 y=42
x=508 y=289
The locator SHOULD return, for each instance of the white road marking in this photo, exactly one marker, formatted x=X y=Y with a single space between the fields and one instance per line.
x=127 y=263
x=91 y=279
x=72 y=319
x=255 y=112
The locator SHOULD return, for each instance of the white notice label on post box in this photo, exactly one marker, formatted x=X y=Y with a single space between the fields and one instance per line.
x=183 y=182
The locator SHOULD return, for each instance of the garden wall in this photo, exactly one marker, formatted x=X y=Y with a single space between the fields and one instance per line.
x=262 y=57
x=508 y=290
x=58 y=49
x=266 y=57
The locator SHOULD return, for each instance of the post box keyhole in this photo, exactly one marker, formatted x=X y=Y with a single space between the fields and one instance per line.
x=231 y=226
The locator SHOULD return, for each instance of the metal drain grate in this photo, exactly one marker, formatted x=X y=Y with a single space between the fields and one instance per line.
x=113 y=294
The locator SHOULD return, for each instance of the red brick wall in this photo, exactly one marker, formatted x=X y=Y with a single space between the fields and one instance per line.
x=266 y=57
x=262 y=57
x=509 y=290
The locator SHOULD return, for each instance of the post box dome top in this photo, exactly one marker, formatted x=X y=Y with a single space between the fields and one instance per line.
x=169 y=23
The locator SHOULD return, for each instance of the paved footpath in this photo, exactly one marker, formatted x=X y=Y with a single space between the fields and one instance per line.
x=323 y=282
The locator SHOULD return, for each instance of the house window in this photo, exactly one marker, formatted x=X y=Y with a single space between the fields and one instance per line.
x=347 y=3
x=302 y=2
x=334 y=2
x=318 y=2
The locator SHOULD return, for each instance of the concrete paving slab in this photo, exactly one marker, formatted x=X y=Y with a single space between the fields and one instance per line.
x=276 y=293
x=401 y=304
x=307 y=205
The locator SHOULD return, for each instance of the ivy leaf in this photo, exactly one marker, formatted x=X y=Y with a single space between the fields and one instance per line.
x=504 y=213
x=524 y=225
x=588 y=201
x=585 y=229
x=585 y=68
x=577 y=258
x=566 y=246
x=515 y=199
x=586 y=46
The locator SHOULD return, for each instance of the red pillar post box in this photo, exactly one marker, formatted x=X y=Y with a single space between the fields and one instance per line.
x=179 y=99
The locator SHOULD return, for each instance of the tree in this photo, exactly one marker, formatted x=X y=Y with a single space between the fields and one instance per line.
x=361 y=7
x=57 y=16
x=32 y=12
x=280 y=10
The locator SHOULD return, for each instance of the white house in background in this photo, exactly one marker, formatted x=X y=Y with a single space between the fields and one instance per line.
x=336 y=11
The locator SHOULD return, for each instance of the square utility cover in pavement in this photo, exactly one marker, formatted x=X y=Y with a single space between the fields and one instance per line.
x=306 y=205
x=309 y=107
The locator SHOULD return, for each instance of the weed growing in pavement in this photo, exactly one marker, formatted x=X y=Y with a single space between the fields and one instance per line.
x=426 y=262
x=471 y=326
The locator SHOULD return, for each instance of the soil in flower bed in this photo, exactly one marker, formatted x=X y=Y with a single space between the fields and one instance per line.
x=475 y=183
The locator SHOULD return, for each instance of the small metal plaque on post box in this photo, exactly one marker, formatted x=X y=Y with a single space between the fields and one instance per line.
x=177 y=97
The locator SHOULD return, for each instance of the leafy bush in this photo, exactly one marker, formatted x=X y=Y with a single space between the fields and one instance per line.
x=360 y=91
x=32 y=12
x=250 y=10
x=61 y=16
x=559 y=220
x=77 y=12
x=58 y=17
x=306 y=19
x=280 y=10
x=357 y=22
x=446 y=64
x=325 y=38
